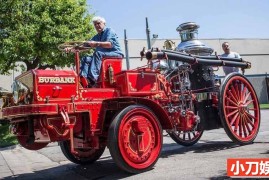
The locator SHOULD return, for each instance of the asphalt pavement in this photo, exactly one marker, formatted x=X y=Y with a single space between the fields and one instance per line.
x=204 y=160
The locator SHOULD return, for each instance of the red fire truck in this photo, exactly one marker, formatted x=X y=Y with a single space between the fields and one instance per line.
x=129 y=109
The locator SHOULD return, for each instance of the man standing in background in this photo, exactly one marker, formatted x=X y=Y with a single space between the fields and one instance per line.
x=229 y=54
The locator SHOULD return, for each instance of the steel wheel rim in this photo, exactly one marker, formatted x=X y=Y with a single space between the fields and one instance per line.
x=139 y=138
x=241 y=109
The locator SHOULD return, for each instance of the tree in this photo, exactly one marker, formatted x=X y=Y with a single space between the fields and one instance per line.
x=31 y=30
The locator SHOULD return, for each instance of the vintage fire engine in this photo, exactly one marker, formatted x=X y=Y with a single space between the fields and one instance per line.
x=129 y=109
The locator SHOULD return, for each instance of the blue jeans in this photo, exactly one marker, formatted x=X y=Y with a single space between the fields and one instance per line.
x=91 y=65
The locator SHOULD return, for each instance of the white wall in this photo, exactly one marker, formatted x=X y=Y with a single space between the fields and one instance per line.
x=260 y=63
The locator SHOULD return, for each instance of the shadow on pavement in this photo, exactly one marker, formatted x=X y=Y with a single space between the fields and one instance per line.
x=105 y=168
x=209 y=146
x=102 y=169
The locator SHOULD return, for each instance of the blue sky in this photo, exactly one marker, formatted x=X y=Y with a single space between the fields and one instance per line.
x=217 y=19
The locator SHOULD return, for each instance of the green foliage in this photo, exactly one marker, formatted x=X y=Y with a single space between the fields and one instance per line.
x=264 y=106
x=31 y=30
x=6 y=139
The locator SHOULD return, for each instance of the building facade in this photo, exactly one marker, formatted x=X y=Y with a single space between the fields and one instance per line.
x=255 y=51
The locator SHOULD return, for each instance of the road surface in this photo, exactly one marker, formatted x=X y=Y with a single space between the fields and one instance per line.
x=204 y=160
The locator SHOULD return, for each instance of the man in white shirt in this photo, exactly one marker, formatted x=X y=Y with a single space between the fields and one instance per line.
x=229 y=54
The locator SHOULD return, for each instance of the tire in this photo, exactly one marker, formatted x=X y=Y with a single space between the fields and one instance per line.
x=135 y=139
x=186 y=138
x=30 y=146
x=27 y=141
x=239 y=109
x=84 y=156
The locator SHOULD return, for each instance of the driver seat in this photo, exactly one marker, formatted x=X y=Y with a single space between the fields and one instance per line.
x=110 y=67
x=112 y=64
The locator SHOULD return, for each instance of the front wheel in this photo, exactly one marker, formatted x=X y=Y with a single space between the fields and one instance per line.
x=135 y=139
x=239 y=109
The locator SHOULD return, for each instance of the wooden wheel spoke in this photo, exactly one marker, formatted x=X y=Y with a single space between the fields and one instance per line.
x=234 y=103
x=248 y=102
x=250 y=115
x=231 y=107
x=189 y=136
x=247 y=124
x=240 y=128
x=246 y=97
x=232 y=113
x=234 y=93
x=243 y=93
x=237 y=124
x=232 y=96
x=244 y=127
x=234 y=118
x=248 y=119
x=248 y=128
x=237 y=91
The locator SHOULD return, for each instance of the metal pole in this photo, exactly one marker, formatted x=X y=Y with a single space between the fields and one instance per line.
x=267 y=86
x=148 y=33
x=126 y=50
x=77 y=61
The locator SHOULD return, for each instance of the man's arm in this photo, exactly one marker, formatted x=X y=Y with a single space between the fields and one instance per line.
x=105 y=44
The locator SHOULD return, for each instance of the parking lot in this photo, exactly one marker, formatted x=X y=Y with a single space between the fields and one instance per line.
x=204 y=160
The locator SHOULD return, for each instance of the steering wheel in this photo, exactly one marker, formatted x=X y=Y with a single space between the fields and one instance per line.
x=73 y=46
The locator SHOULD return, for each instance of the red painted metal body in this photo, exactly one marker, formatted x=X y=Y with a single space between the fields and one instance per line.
x=58 y=100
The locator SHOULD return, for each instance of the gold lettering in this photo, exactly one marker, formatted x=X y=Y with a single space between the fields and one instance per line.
x=46 y=80
x=55 y=80
x=40 y=80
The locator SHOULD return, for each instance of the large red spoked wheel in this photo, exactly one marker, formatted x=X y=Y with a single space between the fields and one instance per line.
x=186 y=138
x=239 y=109
x=135 y=139
x=83 y=156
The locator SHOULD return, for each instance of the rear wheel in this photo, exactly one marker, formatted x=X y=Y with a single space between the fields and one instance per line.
x=239 y=109
x=135 y=139
x=84 y=156
x=23 y=140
